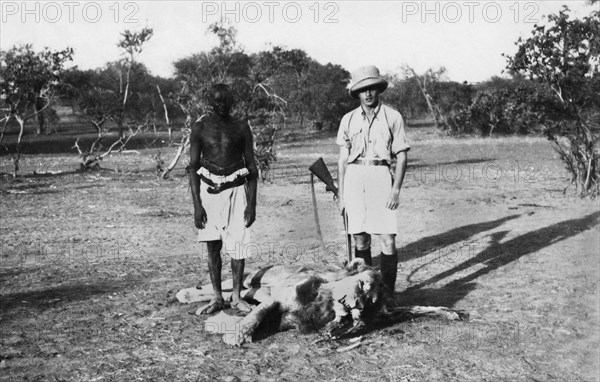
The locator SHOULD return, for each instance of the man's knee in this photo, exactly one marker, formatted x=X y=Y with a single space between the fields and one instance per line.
x=214 y=247
x=388 y=244
x=362 y=240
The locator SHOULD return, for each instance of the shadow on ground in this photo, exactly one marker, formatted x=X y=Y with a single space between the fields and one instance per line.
x=39 y=300
x=496 y=255
x=430 y=244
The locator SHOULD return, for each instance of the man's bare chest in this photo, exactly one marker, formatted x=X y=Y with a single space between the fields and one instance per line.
x=222 y=135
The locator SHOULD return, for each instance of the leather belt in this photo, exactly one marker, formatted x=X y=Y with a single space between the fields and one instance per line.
x=371 y=162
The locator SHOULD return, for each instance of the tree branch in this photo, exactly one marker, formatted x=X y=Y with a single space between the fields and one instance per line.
x=164 y=104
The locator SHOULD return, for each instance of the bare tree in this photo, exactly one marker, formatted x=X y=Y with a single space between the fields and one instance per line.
x=132 y=44
x=425 y=82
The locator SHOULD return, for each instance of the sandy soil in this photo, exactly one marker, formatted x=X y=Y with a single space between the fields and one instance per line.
x=89 y=265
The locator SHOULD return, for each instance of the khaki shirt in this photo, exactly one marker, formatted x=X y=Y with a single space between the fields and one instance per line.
x=385 y=138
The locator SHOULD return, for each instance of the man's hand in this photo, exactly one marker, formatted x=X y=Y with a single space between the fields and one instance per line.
x=249 y=215
x=393 y=200
x=200 y=217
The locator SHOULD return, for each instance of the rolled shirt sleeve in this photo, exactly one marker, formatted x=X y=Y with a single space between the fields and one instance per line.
x=342 y=136
x=399 y=141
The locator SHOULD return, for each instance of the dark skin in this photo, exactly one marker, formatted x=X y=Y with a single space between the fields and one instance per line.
x=224 y=141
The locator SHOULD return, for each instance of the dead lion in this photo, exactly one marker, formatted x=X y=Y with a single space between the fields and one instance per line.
x=335 y=301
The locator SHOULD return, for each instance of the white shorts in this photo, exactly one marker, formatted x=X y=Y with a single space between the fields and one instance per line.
x=225 y=220
x=366 y=190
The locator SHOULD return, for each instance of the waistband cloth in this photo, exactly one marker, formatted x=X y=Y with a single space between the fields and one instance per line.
x=225 y=220
x=220 y=178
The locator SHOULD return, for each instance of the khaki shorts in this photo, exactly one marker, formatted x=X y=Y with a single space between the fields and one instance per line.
x=225 y=220
x=366 y=190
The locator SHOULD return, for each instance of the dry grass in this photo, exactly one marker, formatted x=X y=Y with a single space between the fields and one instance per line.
x=90 y=263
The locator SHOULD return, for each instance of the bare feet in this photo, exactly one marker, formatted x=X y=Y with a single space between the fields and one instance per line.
x=241 y=305
x=215 y=305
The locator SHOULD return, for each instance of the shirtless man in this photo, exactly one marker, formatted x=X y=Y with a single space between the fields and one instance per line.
x=223 y=179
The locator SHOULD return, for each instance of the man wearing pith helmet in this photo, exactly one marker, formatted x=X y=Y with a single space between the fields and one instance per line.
x=370 y=137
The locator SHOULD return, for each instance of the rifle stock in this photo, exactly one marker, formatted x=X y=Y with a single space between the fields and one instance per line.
x=319 y=168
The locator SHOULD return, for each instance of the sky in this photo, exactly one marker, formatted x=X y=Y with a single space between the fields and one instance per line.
x=467 y=37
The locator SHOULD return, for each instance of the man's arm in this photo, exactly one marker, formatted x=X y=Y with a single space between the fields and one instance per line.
x=394 y=199
x=342 y=165
x=195 y=152
x=250 y=213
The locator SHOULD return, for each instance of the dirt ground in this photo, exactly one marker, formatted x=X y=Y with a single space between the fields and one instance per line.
x=90 y=263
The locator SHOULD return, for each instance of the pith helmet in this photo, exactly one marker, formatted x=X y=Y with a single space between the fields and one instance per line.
x=367 y=76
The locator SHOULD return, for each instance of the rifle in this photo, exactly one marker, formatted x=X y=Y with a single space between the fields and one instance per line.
x=319 y=169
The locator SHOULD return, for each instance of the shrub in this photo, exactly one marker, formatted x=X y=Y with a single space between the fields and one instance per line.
x=521 y=109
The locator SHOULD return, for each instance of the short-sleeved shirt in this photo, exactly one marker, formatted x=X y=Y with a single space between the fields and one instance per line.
x=385 y=138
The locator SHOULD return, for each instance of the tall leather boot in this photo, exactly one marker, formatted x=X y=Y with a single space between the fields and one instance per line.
x=364 y=254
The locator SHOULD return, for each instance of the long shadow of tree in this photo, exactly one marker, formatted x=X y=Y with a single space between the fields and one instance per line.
x=433 y=243
x=493 y=257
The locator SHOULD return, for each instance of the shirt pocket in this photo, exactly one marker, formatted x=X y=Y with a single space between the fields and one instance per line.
x=355 y=134
x=357 y=141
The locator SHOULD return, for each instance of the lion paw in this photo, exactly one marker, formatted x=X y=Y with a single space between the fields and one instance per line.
x=238 y=337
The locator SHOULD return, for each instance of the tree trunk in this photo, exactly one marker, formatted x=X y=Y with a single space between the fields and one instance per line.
x=580 y=161
x=431 y=109
x=125 y=94
x=39 y=116
x=185 y=142
x=430 y=102
x=120 y=121
x=21 y=123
